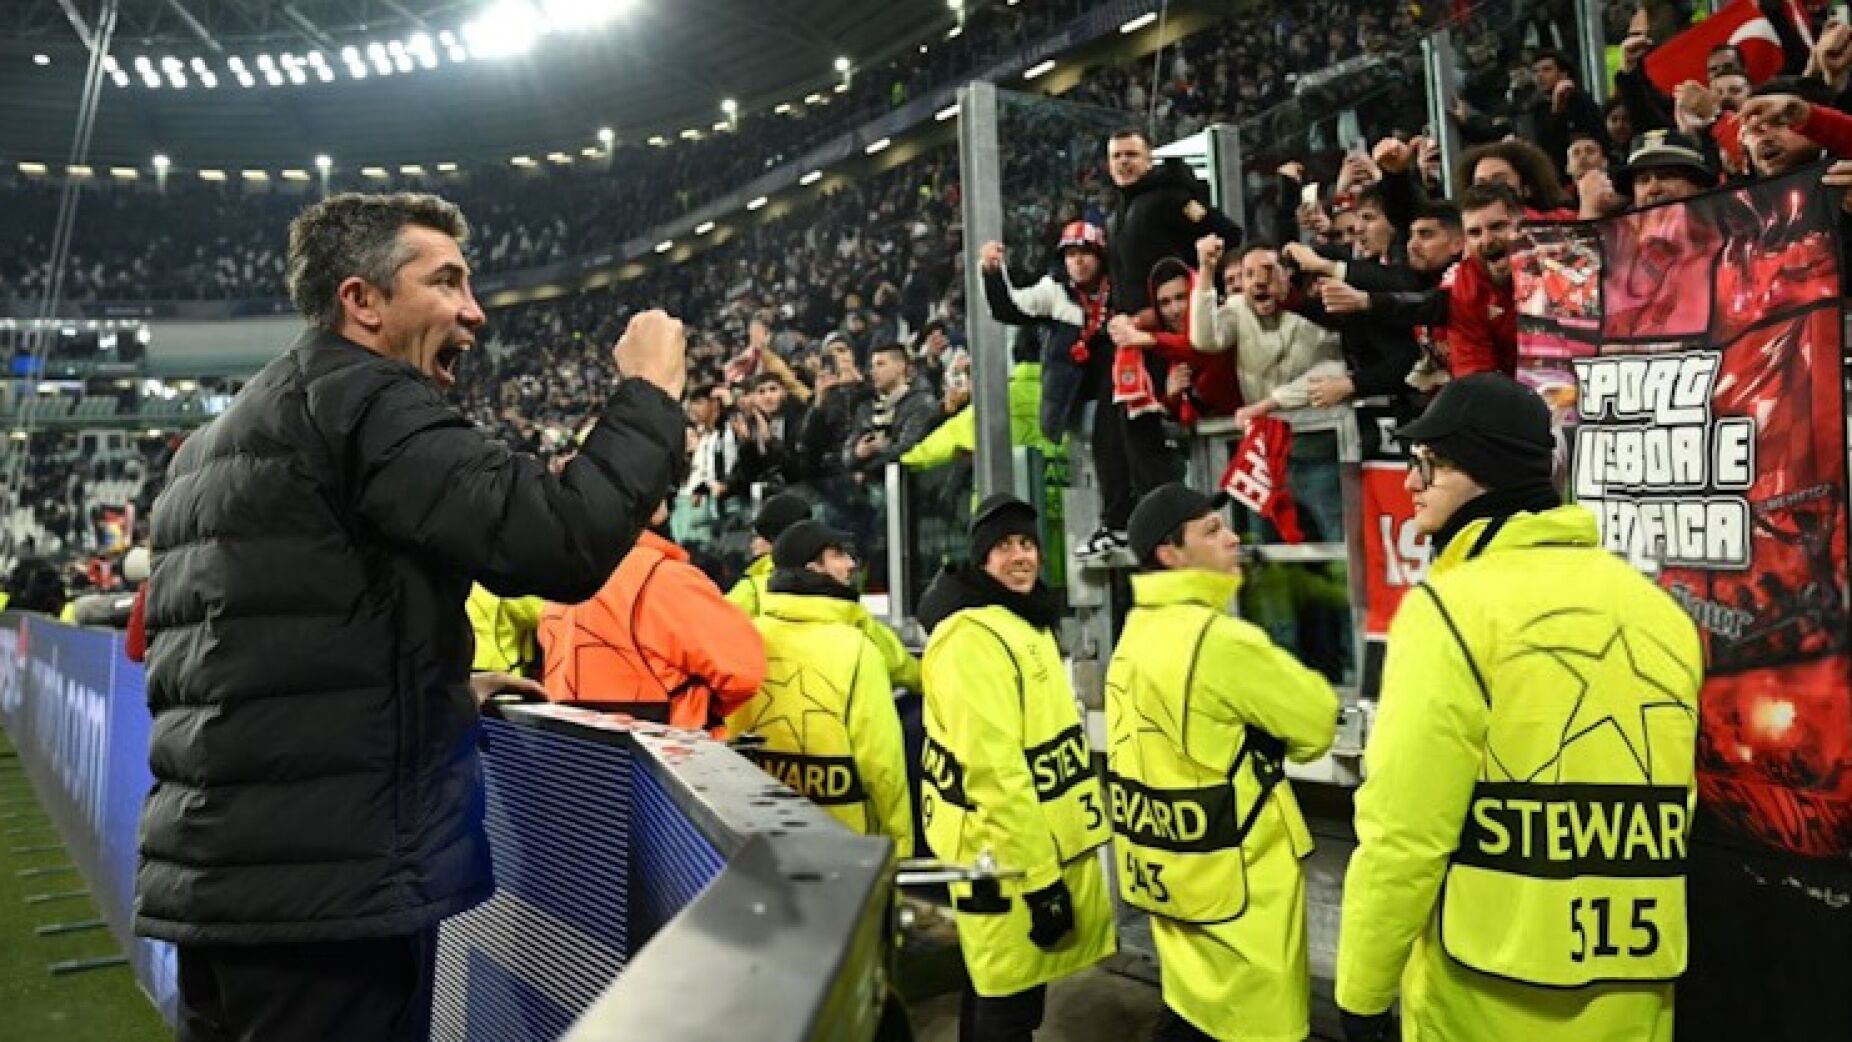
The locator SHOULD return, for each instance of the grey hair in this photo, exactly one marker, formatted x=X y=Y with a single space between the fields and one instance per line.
x=354 y=235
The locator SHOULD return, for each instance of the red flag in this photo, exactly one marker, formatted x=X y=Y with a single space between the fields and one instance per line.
x=1256 y=475
x=1741 y=23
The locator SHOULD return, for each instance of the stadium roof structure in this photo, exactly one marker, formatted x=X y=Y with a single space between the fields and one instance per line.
x=272 y=83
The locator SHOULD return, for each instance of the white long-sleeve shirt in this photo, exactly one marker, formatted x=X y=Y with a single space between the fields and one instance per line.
x=1275 y=356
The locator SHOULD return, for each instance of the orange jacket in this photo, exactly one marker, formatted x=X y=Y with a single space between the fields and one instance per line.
x=658 y=642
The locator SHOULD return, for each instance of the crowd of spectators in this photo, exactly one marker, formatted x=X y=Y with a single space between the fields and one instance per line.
x=788 y=320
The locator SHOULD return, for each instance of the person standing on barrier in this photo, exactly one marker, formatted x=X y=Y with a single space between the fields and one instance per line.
x=776 y=514
x=826 y=710
x=1202 y=710
x=317 y=807
x=1524 y=819
x=1009 y=779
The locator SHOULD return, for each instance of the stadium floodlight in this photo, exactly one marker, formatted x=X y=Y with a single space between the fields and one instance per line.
x=665 y=245
x=1041 y=68
x=266 y=62
x=506 y=29
x=235 y=63
x=273 y=77
x=524 y=162
x=954 y=32
x=177 y=79
x=878 y=146
x=255 y=175
x=297 y=76
x=151 y=81
x=658 y=140
x=704 y=227
x=720 y=126
x=812 y=98
x=691 y=134
x=447 y=38
x=295 y=174
x=357 y=71
x=458 y=55
x=325 y=74
x=606 y=135
x=197 y=65
x=842 y=65
x=142 y=64
x=1139 y=23
x=377 y=172
x=350 y=54
x=590 y=152
x=78 y=170
x=395 y=47
x=110 y=64
x=161 y=163
x=124 y=173
x=208 y=80
x=730 y=107
x=169 y=62
x=446 y=168
x=212 y=175
x=956 y=5
x=756 y=203
x=811 y=178
x=245 y=79
x=317 y=59
x=402 y=62
x=376 y=50
x=783 y=109
x=842 y=88
x=121 y=78
x=946 y=113
x=558 y=157
x=412 y=170
x=427 y=59
x=41 y=59
x=323 y=163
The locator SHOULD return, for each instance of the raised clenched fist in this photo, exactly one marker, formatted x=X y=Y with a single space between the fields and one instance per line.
x=654 y=348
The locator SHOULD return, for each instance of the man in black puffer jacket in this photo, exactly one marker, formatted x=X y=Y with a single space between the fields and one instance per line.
x=1160 y=212
x=317 y=806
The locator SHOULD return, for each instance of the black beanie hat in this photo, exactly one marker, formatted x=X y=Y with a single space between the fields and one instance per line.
x=805 y=541
x=1000 y=515
x=1490 y=426
x=779 y=513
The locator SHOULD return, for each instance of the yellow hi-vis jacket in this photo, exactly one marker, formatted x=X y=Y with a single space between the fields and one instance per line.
x=1200 y=707
x=1522 y=828
x=1008 y=772
x=750 y=590
x=827 y=715
x=505 y=628
x=903 y=669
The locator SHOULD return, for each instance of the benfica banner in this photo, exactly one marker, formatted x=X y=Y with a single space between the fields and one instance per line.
x=1693 y=355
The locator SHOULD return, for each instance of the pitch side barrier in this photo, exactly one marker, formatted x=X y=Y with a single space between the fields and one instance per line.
x=650 y=883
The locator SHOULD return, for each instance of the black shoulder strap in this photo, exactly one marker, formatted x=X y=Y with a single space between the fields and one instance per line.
x=1465 y=651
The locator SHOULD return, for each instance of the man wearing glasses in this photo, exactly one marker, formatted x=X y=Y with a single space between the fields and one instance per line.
x=1520 y=869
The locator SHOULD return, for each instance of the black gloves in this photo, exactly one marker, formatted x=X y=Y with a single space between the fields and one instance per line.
x=1375 y=1027
x=1051 y=915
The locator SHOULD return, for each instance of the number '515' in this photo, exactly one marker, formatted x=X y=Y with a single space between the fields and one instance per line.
x=1601 y=910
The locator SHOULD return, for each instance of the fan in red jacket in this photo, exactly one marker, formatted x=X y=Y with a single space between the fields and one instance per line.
x=1482 y=311
x=1212 y=388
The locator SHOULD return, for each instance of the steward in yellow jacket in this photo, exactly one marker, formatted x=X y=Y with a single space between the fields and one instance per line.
x=505 y=629
x=1008 y=775
x=775 y=515
x=826 y=711
x=1202 y=709
x=1523 y=826
x=779 y=513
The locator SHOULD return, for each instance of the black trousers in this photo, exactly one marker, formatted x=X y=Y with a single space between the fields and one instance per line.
x=376 y=990
x=1006 y=1018
x=1131 y=456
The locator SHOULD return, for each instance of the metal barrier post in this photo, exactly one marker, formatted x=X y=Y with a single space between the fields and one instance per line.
x=981 y=175
x=1438 y=66
x=1594 y=32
